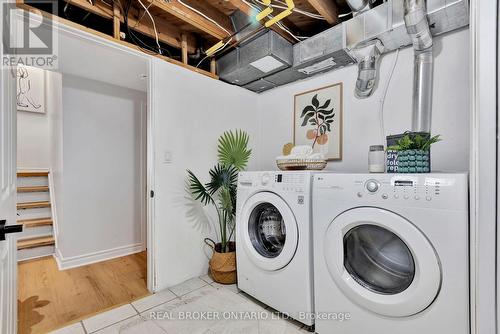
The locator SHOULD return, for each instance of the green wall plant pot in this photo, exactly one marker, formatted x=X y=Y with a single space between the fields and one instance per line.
x=414 y=161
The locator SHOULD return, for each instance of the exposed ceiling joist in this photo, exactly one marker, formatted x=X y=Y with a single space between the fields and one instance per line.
x=167 y=33
x=245 y=8
x=211 y=12
x=191 y=17
x=327 y=8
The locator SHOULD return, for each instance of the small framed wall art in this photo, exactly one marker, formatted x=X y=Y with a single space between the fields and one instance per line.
x=30 y=89
x=318 y=120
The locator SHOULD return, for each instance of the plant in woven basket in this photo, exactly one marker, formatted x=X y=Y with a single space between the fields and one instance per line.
x=233 y=155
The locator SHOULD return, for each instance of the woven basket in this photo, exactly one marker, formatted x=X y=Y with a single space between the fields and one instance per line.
x=301 y=164
x=223 y=265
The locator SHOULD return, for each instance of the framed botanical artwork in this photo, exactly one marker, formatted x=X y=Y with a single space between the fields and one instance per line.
x=30 y=89
x=318 y=120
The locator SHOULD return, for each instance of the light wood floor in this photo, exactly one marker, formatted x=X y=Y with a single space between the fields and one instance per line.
x=50 y=299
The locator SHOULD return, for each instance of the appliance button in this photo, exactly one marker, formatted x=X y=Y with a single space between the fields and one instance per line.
x=385 y=196
x=372 y=186
x=396 y=196
x=360 y=194
x=417 y=197
x=265 y=179
x=406 y=196
x=428 y=198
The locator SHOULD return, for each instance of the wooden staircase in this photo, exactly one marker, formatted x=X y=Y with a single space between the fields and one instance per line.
x=34 y=212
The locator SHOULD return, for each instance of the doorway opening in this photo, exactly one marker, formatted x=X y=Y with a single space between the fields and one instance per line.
x=81 y=197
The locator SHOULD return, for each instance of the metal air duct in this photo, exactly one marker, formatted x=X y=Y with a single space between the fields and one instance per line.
x=368 y=55
x=415 y=16
x=337 y=47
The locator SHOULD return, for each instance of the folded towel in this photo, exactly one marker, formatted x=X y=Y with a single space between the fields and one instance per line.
x=302 y=150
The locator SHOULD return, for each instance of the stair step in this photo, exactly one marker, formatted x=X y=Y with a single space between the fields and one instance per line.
x=35 y=242
x=34 y=222
x=33 y=205
x=33 y=189
x=33 y=173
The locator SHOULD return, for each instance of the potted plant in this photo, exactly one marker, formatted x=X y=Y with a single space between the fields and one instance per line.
x=414 y=153
x=233 y=155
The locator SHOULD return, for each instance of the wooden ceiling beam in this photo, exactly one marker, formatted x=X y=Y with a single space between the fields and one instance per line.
x=167 y=33
x=249 y=11
x=191 y=17
x=326 y=8
x=212 y=12
x=22 y=5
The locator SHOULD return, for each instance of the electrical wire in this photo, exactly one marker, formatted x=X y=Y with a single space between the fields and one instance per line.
x=135 y=39
x=143 y=14
x=154 y=26
x=297 y=10
x=384 y=95
x=219 y=50
x=205 y=16
x=278 y=24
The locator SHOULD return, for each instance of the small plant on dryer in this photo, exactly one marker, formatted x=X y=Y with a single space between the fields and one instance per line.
x=233 y=155
x=418 y=142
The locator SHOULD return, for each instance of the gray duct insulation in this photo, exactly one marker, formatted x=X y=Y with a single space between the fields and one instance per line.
x=415 y=16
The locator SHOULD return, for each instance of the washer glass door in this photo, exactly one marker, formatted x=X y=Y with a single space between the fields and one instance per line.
x=268 y=231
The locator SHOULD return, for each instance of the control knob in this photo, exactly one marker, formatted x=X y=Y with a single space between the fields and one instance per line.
x=372 y=186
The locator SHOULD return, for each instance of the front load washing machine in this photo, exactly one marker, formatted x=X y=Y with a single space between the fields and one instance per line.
x=273 y=241
x=391 y=253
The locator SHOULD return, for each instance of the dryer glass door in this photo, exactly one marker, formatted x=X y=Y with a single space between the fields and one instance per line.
x=382 y=261
x=378 y=259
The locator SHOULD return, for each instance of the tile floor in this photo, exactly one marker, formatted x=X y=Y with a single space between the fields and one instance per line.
x=198 y=305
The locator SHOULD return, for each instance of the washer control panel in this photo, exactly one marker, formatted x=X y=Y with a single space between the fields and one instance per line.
x=276 y=181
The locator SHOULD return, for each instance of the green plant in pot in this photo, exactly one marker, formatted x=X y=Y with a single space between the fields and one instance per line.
x=220 y=192
x=414 y=153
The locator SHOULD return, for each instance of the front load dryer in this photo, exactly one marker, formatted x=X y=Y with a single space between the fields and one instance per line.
x=391 y=253
x=273 y=241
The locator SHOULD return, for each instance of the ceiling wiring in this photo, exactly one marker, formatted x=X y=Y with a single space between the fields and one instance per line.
x=205 y=16
x=143 y=14
x=279 y=24
x=217 y=51
x=154 y=26
x=136 y=40
x=297 y=10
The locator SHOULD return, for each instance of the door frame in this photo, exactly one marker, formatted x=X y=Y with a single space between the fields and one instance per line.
x=150 y=170
x=483 y=167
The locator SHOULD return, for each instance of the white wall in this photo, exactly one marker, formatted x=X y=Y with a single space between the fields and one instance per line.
x=190 y=112
x=451 y=108
x=33 y=133
x=101 y=205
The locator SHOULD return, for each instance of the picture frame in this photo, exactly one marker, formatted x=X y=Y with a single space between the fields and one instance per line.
x=318 y=120
x=30 y=95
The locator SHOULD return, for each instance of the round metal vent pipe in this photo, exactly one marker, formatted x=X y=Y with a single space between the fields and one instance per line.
x=417 y=27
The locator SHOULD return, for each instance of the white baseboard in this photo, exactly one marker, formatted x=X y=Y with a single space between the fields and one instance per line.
x=82 y=260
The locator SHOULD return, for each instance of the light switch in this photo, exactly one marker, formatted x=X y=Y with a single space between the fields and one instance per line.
x=167 y=157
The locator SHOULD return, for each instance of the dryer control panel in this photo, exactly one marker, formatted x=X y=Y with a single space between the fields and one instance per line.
x=403 y=187
x=422 y=190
